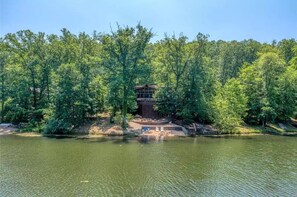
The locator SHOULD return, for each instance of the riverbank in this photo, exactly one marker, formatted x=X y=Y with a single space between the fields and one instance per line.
x=147 y=137
x=102 y=128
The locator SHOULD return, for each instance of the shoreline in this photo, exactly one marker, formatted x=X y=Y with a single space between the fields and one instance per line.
x=92 y=136
x=242 y=131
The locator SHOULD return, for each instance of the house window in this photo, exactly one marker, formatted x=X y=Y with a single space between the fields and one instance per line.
x=145 y=93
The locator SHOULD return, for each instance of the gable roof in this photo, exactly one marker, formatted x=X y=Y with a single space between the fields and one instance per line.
x=153 y=86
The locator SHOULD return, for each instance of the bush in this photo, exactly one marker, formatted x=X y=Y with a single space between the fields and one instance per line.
x=118 y=118
x=186 y=115
x=16 y=115
x=168 y=101
x=36 y=115
x=55 y=126
x=229 y=106
x=33 y=126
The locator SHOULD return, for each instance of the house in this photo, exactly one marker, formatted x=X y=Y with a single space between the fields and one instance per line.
x=145 y=101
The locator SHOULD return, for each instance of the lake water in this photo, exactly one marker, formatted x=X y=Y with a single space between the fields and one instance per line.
x=237 y=166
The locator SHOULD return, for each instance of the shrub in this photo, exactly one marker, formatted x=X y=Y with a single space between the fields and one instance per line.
x=118 y=118
x=55 y=126
x=229 y=106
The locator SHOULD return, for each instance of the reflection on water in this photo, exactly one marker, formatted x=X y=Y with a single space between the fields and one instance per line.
x=236 y=166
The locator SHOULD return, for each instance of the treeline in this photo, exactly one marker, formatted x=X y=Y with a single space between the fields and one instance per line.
x=54 y=83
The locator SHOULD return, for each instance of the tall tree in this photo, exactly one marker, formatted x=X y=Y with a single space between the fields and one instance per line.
x=261 y=81
x=197 y=83
x=124 y=55
x=67 y=103
x=29 y=50
x=229 y=106
x=286 y=47
x=287 y=97
x=175 y=56
x=3 y=63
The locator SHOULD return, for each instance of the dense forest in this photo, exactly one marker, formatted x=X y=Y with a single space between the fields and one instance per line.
x=54 y=83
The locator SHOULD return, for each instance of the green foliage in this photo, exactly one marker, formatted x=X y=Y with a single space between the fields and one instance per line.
x=118 y=118
x=55 y=82
x=229 y=106
x=287 y=99
x=3 y=76
x=286 y=49
x=167 y=101
x=186 y=76
x=98 y=92
x=68 y=106
x=57 y=126
x=265 y=88
x=125 y=59
x=16 y=114
x=33 y=126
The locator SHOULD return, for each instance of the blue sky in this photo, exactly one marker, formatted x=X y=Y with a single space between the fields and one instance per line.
x=262 y=20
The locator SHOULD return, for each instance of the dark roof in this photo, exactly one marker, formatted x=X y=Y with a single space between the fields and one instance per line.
x=153 y=86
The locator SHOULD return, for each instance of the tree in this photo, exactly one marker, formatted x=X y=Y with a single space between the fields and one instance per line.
x=87 y=50
x=285 y=48
x=3 y=62
x=229 y=106
x=29 y=48
x=287 y=99
x=67 y=113
x=261 y=81
x=271 y=67
x=197 y=85
x=175 y=57
x=61 y=81
x=124 y=55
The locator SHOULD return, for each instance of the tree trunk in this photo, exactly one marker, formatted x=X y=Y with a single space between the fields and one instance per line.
x=125 y=97
x=264 y=122
x=2 y=94
x=125 y=106
x=47 y=87
x=34 y=88
x=2 y=108
x=177 y=82
x=111 y=120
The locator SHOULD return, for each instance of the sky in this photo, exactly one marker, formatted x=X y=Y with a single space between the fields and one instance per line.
x=262 y=20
